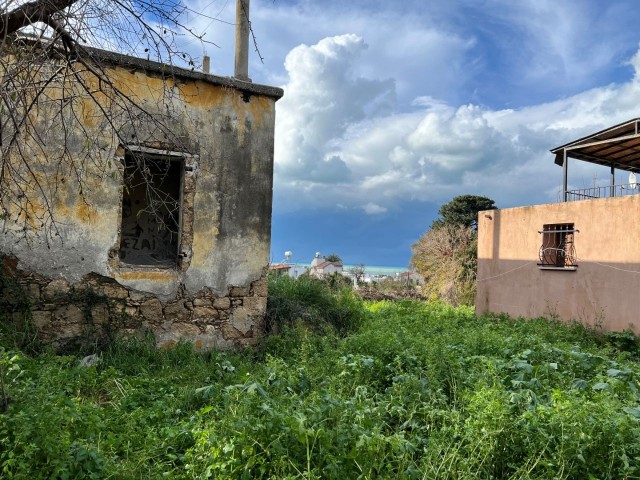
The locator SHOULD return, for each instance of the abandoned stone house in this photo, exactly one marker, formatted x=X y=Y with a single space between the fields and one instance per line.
x=191 y=266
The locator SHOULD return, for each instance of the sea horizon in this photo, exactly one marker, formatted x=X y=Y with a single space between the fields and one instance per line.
x=369 y=269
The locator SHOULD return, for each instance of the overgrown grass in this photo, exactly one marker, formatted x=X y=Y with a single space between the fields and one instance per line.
x=407 y=390
x=323 y=306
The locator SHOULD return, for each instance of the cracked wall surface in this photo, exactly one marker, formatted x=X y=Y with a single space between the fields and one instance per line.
x=215 y=294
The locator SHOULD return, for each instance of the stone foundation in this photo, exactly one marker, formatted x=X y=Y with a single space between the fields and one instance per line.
x=98 y=308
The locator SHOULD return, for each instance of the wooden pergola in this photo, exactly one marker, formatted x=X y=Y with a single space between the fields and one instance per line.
x=615 y=147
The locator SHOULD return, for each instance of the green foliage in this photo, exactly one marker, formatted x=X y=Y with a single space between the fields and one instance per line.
x=317 y=304
x=393 y=286
x=9 y=372
x=417 y=391
x=446 y=258
x=333 y=257
x=625 y=341
x=463 y=210
x=336 y=282
x=446 y=255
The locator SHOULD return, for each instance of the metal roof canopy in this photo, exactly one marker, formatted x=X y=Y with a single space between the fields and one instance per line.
x=615 y=147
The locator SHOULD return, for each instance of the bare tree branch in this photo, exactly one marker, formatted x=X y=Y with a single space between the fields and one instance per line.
x=51 y=78
x=30 y=13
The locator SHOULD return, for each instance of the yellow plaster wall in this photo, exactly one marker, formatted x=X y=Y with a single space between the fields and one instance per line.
x=231 y=133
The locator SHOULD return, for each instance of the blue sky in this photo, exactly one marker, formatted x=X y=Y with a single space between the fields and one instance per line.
x=391 y=108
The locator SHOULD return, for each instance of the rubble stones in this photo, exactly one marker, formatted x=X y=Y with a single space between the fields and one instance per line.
x=100 y=314
x=115 y=291
x=152 y=310
x=55 y=288
x=229 y=332
x=222 y=303
x=238 y=292
x=255 y=306
x=41 y=318
x=33 y=290
x=176 y=311
x=205 y=312
x=69 y=315
x=259 y=287
x=66 y=313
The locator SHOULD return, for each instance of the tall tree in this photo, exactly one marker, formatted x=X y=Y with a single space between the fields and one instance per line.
x=446 y=258
x=357 y=272
x=446 y=255
x=463 y=210
x=333 y=257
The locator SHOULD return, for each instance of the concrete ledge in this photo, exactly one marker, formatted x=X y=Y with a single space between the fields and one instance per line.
x=561 y=269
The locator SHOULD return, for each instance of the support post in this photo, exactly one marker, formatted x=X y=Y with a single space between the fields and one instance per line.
x=612 y=187
x=565 y=176
x=241 y=71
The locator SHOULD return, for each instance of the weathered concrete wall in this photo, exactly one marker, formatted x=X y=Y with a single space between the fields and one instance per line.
x=216 y=294
x=602 y=290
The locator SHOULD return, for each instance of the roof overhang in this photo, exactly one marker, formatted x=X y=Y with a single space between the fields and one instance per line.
x=617 y=146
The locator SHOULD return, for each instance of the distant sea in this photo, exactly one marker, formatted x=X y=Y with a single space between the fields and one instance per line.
x=378 y=270
x=369 y=270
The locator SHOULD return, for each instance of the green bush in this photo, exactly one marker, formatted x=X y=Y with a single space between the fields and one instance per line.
x=312 y=303
x=625 y=341
x=16 y=322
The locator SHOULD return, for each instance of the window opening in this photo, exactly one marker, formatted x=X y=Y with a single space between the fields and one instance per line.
x=557 y=248
x=151 y=210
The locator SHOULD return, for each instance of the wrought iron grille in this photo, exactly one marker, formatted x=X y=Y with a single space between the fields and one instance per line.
x=558 y=249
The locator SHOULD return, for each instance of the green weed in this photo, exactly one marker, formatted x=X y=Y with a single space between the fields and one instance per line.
x=312 y=303
x=401 y=390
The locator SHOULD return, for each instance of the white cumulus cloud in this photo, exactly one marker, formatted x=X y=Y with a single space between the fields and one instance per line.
x=332 y=148
x=373 y=209
x=322 y=99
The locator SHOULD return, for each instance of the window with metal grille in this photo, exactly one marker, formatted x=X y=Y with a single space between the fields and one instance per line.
x=558 y=249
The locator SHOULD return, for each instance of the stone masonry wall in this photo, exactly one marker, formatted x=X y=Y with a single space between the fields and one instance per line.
x=98 y=308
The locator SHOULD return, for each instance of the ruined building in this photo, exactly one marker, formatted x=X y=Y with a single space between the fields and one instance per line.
x=150 y=215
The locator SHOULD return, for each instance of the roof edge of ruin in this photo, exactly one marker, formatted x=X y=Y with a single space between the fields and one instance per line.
x=122 y=60
x=164 y=69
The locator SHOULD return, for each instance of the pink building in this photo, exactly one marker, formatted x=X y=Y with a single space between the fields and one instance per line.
x=578 y=259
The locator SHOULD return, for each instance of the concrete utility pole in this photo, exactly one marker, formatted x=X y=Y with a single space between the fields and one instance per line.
x=242 y=41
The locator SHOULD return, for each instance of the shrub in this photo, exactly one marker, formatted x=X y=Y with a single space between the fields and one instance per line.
x=625 y=341
x=313 y=304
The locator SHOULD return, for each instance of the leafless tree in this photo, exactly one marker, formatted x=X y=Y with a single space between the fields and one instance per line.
x=357 y=272
x=446 y=257
x=52 y=79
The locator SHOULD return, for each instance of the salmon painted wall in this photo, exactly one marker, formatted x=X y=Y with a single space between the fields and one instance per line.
x=604 y=289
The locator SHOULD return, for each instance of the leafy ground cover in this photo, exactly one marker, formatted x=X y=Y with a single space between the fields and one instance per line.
x=382 y=390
